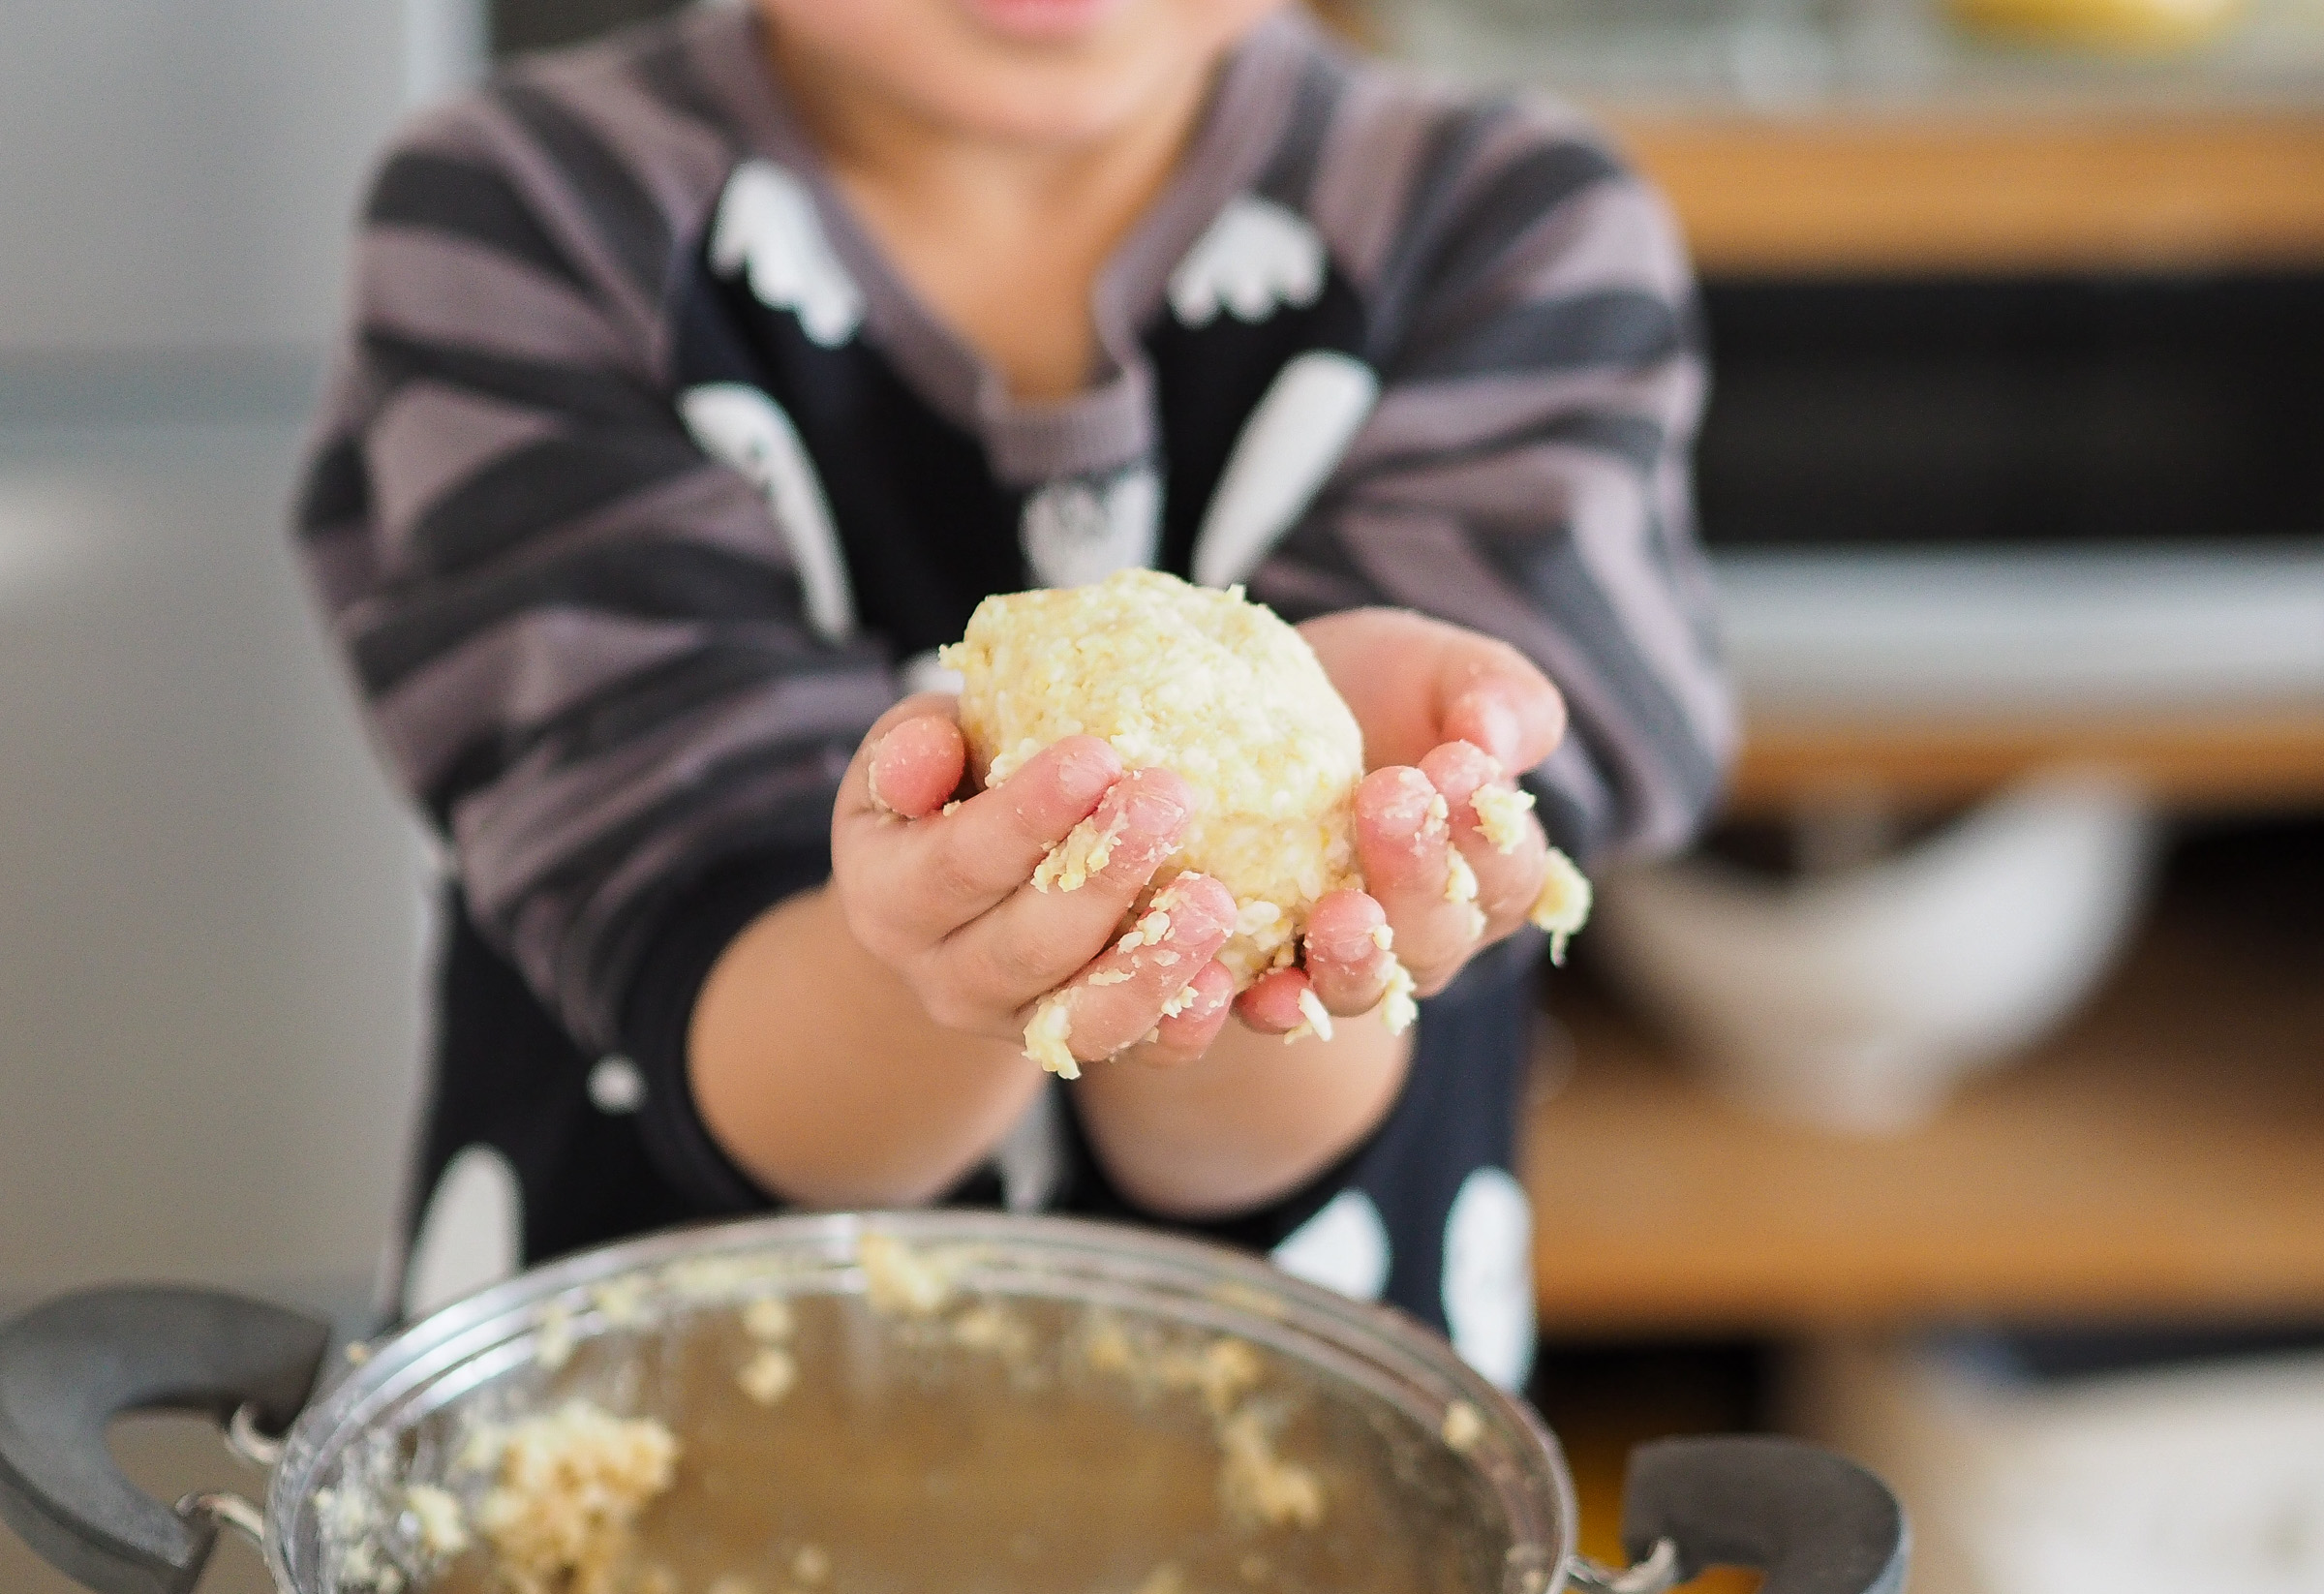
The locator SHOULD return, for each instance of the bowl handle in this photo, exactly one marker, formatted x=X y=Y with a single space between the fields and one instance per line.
x=1813 y=1522
x=71 y=1366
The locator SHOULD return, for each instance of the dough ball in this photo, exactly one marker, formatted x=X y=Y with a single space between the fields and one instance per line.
x=1205 y=684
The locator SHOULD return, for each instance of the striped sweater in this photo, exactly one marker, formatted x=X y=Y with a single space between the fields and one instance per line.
x=642 y=484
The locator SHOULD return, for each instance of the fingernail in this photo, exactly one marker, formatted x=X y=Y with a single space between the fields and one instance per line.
x=1439 y=816
x=1153 y=812
x=1347 y=945
x=1407 y=809
x=1498 y=730
x=1086 y=775
x=1466 y=769
x=1207 y=1002
x=871 y=774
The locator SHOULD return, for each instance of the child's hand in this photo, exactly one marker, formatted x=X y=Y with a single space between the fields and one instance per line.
x=947 y=900
x=1445 y=712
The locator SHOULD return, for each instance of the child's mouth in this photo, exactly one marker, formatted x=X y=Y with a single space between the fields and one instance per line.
x=1043 y=19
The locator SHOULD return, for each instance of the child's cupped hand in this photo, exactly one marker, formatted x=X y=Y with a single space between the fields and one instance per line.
x=947 y=899
x=1446 y=713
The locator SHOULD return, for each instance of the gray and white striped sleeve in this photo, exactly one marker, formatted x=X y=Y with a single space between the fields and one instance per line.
x=1526 y=472
x=581 y=642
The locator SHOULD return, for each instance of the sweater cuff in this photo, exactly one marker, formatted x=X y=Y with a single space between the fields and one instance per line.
x=692 y=931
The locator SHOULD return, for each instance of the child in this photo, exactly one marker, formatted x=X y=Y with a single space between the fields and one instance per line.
x=700 y=385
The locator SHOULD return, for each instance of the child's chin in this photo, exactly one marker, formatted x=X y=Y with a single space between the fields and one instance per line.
x=1043 y=19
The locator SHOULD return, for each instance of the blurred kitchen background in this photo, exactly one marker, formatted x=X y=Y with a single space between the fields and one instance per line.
x=1961 y=1101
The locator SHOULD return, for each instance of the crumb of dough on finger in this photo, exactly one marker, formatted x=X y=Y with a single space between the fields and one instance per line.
x=1384 y=937
x=1314 y=1018
x=1180 y=1000
x=1397 y=1006
x=1085 y=851
x=1563 y=905
x=1151 y=929
x=1500 y=812
x=1045 y=1035
x=1461 y=879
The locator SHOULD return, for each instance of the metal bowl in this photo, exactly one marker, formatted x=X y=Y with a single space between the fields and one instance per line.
x=971 y=1437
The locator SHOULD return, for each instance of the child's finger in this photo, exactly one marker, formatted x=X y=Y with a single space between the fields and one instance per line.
x=857 y=801
x=1403 y=840
x=916 y=766
x=1346 y=947
x=1516 y=716
x=1494 y=830
x=1038 y=939
x=1120 y=998
x=942 y=871
x=1272 y=1005
x=1183 y=1037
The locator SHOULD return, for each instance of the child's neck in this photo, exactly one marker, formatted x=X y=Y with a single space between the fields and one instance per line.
x=1004 y=240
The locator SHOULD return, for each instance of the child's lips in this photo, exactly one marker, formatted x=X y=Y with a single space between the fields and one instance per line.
x=1043 y=19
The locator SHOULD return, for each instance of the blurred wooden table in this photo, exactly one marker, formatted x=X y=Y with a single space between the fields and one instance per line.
x=1920 y=193
x=2161 y=1159
x=2245 y=759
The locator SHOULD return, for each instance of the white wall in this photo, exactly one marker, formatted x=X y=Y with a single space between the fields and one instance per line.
x=180 y=172
x=209 y=904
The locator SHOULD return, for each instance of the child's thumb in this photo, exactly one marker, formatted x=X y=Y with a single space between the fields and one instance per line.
x=916 y=766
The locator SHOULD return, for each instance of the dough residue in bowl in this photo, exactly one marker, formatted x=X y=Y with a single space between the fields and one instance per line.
x=570 y=1485
x=1259 y=1487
